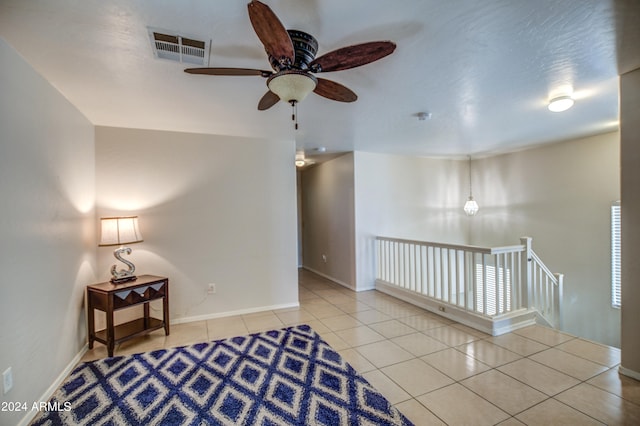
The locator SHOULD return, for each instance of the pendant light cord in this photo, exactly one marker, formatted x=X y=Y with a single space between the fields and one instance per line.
x=470 y=191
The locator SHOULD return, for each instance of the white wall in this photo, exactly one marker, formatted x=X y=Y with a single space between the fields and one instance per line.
x=47 y=248
x=212 y=209
x=560 y=195
x=630 y=149
x=406 y=197
x=328 y=220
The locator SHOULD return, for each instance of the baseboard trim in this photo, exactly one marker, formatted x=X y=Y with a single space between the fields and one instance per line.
x=233 y=313
x=55 y=385
x=494 y=326
x=330 y=278
x=629 y=373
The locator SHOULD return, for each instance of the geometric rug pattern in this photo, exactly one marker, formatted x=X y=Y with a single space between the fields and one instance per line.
x=279 y=377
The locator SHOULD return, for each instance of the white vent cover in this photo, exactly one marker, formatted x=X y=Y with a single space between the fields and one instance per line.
x=175 y=47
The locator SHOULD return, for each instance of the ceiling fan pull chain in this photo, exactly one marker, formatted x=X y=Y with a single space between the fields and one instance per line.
x=294 y=114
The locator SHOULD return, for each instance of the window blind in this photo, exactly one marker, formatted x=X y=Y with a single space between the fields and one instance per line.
x=616 y=258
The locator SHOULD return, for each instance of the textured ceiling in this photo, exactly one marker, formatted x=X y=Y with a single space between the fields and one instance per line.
x=484 y=69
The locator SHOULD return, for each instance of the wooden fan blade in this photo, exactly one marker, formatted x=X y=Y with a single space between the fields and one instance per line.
x=228 y=71
x=352 y=56
x=270 y=31
x=268 y=100
x=334 y=91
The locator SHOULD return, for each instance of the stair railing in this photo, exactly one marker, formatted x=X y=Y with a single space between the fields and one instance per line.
x=482 y=280
x=544 y=288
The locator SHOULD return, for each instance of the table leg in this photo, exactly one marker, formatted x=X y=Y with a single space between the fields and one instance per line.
x=165 y=311
x=146 y=315
x=91 y=326
x=110 y=329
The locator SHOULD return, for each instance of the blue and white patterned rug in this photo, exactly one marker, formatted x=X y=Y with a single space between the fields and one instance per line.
x=280 y=377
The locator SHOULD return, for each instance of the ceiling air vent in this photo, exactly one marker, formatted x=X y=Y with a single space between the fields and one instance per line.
x=175 y=47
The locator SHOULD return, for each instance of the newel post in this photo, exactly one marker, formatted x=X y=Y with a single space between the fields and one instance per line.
x=558 y=300
x=526 y=272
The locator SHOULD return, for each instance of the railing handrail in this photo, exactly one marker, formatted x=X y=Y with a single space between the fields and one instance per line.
x=550 y=308
x=477 y=249
x=542 y=266
x=486 y=280
x=508 y=249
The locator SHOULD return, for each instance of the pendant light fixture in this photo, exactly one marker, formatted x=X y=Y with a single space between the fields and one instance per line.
x=471 y=206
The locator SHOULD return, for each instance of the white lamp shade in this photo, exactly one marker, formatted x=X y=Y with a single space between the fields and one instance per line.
x=292 y=85
x=471 y=207
x=119 y=230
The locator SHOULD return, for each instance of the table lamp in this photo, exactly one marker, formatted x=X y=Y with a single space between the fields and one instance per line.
x=118 y=231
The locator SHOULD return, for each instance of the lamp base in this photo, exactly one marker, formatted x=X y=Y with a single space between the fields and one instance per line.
x=123 y=279
x=123 y=275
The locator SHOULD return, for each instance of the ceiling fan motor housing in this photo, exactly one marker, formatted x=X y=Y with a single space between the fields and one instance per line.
x=305 y=47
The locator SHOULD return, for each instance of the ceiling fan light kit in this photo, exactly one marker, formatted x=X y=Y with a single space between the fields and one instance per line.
x=292 y=85
x=292 y=55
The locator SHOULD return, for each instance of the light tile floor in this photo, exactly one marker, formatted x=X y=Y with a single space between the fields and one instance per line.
x=437 y=371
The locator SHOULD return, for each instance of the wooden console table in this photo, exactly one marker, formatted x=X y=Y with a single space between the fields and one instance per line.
x=108 y=297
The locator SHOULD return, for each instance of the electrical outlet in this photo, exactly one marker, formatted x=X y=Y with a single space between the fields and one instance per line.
x=211 y=289
x=7 y=380
x=324 y=258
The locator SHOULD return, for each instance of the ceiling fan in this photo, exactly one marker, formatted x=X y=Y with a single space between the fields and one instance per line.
x=292 y=57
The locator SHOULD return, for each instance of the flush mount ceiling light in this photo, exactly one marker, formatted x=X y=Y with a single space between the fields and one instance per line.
x=561 y=103
x=300 y=159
